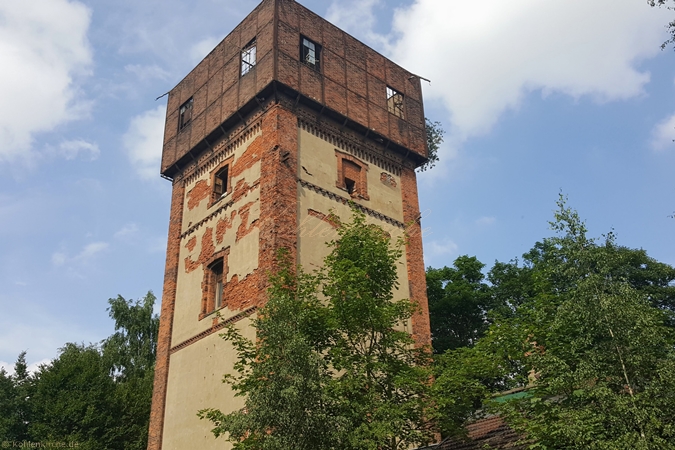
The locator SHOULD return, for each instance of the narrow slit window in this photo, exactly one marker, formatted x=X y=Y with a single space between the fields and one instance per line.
x=310 y=53
x=185 y=114
x=217 y=276
x=248 y=57
x=395 y=102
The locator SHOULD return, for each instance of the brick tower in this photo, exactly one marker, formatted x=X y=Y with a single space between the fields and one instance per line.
x=285 y=120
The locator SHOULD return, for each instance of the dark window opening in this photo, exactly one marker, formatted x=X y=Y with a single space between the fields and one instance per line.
x=395 y=102
x=185 y=114
x=350 y=185
x=220 y=183
x=310 y=53
x=248 y=57
x=217 y=277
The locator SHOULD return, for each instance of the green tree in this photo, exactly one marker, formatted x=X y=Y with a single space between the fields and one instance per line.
x=597 y=353
x=459 y=301
x=435 y=134
x=75 y=401
x=98 y=396
x=15 y=407
x=671 y=25
x=130 y=354
x=332 y=367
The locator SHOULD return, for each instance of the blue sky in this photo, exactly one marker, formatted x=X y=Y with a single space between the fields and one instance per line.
x=536 y=98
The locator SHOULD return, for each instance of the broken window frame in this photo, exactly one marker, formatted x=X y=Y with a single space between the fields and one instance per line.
x=310 y=53
x=395 y=102
x=185 y=114
x=248 y=57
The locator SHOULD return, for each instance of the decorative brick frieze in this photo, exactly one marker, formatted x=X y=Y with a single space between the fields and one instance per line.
x=349 y=142
x=217 y=326
x=346 y=201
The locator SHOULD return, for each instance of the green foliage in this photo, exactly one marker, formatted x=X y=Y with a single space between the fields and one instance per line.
x=586 y=326
x=435 y=134
x=671 y=25
x=75 y=401
x=458 y=303
x=331 y=367
x=96 y=396
x=595 y=348
x=15 y=392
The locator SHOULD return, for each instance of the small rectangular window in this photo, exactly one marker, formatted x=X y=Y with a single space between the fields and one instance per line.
x=395 y=102
x=310 y=53
x=185 y=114
x=248 y=57
x=220 y=183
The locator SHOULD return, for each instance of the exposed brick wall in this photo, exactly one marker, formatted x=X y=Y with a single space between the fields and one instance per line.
x=421 y=329
x=166 y=319
x=199 y=192
x=352 y=80
x=205 y=254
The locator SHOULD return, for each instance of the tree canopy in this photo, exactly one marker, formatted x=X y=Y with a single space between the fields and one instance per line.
x=333 y=366
x=589 y=335
x=97 y=396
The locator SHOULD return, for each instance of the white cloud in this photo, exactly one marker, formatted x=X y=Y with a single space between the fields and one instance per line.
x=43 y=49
x=147 y=72
x=143 y=142
x=358 y=17
x=202 y=48
x=86 y=254
x=127 y=231
x=71 y=149
x=32 y=367
x=59 y=259
x=90 y=250
x=663 y=134
x=484 y=221
x=439 y=248
x=483 y=57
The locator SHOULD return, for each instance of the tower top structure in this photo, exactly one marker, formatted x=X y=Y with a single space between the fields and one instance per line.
x=283 y=49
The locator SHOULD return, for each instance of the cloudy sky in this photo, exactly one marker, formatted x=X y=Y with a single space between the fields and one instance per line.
x=536 y=98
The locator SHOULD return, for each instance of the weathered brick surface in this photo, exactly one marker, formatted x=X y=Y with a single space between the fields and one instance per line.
x=265 y=40
x=357 y=108
x=377 y=92
x=171 y=126
x=288 y=12
x=166 y=320
x=335 y=96
x=375 y=63
x=344 y=60
x=289 y=40
x=311 y=83
x=200 y=191
x=265 y=13
x=378 y=118
x=355 y=52
x=415 y=258
x=334 y=39
x=213 y=115
x=265 y=72
x=247 y=87
x=197 y=127
x=311 y=25
x=356 y=80
x=215 y=87
x=334 y=67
